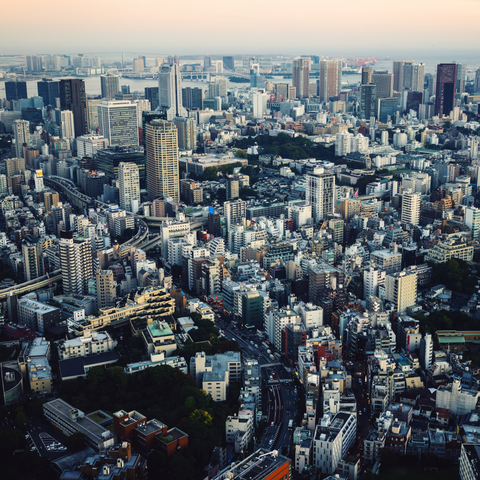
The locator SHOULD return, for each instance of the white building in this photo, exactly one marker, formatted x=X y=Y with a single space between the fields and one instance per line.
x=21 y=133
x=372 y=278
x=89 y=144
x=129 y=186
x=259 y=103
x=320 y=194
x=411 y=208
x=170 y=91
x=401 y=289
x=67 y=125
x=142 y=106
x=239 y=430
x=91 y=343
x=117 y=120
x=456 y=399
x=472 y=221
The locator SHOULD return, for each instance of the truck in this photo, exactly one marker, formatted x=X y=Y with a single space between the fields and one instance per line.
x=272 y=357
x=290 y=424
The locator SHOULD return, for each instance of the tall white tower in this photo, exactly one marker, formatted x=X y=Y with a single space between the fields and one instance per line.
x=21 y=132
x=411 y=208
x=68 y=128
x=170 y=91
x=129 y=186
x=320 y=194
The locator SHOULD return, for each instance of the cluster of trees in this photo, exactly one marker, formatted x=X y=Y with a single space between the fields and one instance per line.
x=211 y=173
x=287 y=147
x=455 y=275
x=163 y=393
x=446 y=320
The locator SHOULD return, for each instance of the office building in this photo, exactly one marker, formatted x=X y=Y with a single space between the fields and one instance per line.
x=106 y=288
x=387 y=260
x=229 y=63
x=384 y=84
x=37 y=316
x=192 y=98
x=110 y=158
x=366 y=75
x=14 y=166
x=453 y=247
x=214 y=224
x=151 y=94
x=472 y=221
x=75 y=262
x=170 y=91
x=49 y=91
x=88 y=145
x=445 y=90
x=470 y=461
x=32 y=258
x=398 y=75
x=413 y=76
x=301 y=76
x=15 y=90
x=162 y=160
x=50 y=199
x=330 y=80
x=235 y=213
x=411 y=208
x=67 y=125
x=387 y=109
x=70 y=420
x=368 y=102
x=320 y=194
x=129 y=186
x=73 y=98
x=21 y=134
x=233 y=189
x=461 y=77
x=110 y=85
x=187 y=133
x=117 y=121
x=401 y=289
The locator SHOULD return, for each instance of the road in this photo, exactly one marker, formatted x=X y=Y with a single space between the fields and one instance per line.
x=279 y=394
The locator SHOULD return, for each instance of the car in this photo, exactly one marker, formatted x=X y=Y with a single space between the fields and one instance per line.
x=27 y=436
x=272 y=424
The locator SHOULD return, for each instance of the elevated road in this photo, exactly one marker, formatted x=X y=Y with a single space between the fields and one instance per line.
x=31 y=285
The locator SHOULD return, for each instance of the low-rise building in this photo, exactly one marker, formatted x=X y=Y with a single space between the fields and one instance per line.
x=91 y=343
x=158 y=337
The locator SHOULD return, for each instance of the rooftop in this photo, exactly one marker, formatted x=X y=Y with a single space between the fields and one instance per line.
x=159 y=329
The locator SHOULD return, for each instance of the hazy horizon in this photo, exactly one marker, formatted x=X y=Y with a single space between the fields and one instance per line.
x=369 y=28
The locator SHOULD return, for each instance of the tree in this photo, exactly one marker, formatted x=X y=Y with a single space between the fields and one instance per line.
x=210 y=173
x=241 y=153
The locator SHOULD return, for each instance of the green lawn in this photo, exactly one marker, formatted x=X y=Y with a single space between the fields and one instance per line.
x=412 y=473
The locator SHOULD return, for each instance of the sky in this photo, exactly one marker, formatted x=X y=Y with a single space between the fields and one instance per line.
x=324 y=27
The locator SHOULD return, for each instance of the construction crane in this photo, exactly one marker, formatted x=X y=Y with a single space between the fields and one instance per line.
x=48 y=276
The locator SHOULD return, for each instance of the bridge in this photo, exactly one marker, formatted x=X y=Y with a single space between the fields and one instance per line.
x=31 y=285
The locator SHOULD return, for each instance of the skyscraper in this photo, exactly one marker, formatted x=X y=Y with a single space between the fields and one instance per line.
x=229 y=63
x=235 y=213
x=461 y=76
x=330 y=80
x=187 y=133
x=110 y=86
x=75 y=262
x=445 y=91
x=368 y=100
x=117 y=120
x=21 y=133
x=192 y=98
x=301 y=76
x=15 y=90
x=32 y=258
x=366 y=75
x=320 y=194
x=67 y=125
x=151 y=94
x=73 y=97
x=384 y=84
x=129 y=186
x=162 y=160
x=170 y=91
x=106 y=292
x=142 y=106
x=34 y=63
x=49 y=91
x=411 y=208
x=398 y=76
x=413 y=76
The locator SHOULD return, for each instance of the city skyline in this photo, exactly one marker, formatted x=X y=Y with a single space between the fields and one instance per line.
x=92 y=33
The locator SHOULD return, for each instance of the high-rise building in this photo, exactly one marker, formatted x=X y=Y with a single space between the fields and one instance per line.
x=88 y=145
x=229 y=63
x=214 y=224
x=320 y=194
x=117 y=120
x=301 y=76
x=110 y=85
x=233 y=189
x=401 y=289
x=445 y=91
x=187 y=133
x=387 y=107
x=472 y=221
x=32 y=258
x=398 y=75
x=192 y=98
x=129 y=186
x=106 y=291
x=461 y=76
x=34 y=63
x=15 y=90
x=330 y=80
x=411 y=208
x=282 y=91
x=368 y=100
x=110 y=158
x=170 y=91
x=413 y=76
x=235 y=213
x=73 y=98
x=384 y=84
x=142 y=106
x=138 y=64
x=426 y=351
x=75 y=262
x=67 y=125
x=49 y=91
x=366 y=75
x=161 y=143
x=50 y=199
x=476 y=84
x=21 y=133
x=14 y=166
x=151 y=94
x=207 y=62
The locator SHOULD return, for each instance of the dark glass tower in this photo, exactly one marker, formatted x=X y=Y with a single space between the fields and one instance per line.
x=74 y=98
x=445 y=92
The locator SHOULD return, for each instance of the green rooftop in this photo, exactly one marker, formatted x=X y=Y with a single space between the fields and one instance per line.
x=159 y=329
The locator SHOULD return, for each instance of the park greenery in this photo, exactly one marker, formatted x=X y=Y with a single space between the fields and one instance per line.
x=287 y=147
x=446 y=320
x=455 y=274
x=163 y=393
